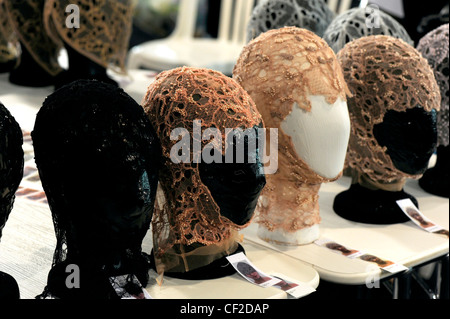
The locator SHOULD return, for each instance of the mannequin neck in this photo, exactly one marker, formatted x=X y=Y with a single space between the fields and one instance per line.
x=289 y=206
x=371 y=204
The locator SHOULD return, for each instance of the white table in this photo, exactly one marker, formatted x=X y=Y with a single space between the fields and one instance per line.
x=403 y=243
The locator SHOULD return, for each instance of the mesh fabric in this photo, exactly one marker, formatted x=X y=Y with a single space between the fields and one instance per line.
x=97 y=157
x=434 y=47
x=384 y=73
x=313 y=15
x=353 y=24
x=188 y=223
x=103 y=33
x=8 y=41
x=26 y=19
x=279 y=68
x=11 y=163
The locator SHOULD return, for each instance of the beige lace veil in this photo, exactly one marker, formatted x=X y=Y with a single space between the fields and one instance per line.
x=279 y=68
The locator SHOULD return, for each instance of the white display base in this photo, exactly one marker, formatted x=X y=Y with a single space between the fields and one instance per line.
x=404 y=243
x=301 y=237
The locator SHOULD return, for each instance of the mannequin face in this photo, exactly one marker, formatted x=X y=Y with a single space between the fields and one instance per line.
x=235 y=187
x=97 y=157
x=410 y=138
x=320 y=137
x=204 y=203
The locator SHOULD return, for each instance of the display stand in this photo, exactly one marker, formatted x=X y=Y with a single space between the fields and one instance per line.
x=404 y=243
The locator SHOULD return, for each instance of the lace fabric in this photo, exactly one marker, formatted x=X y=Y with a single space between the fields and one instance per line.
x=384 y=73
x=97 y=157
x=9 y=46
x=313 y=15
x=187 y=221
x=434 y=47
x=279 y=68
x=11 y=163
x=27 y=21
x=103 y=33
x=353 y=24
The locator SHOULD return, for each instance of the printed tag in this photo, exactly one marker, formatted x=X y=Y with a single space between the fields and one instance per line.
x=246 y=269
x=384 y=264
x=129 y=287
x=292 y=287
x=419 y=219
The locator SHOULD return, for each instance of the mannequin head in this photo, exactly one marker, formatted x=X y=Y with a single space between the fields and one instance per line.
x=11 y=163
x=38 y=63
x=297 y=84
x=99 y=40
x=107 y=49
x=97 y=157
x=393 y=110
x=434 y=48
x=204 y=203
x=313 y=15
x=352 y=24
x=9 y=45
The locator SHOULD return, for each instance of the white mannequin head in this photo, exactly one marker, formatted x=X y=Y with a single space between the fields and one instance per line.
x=296 y=82
x=320 y=137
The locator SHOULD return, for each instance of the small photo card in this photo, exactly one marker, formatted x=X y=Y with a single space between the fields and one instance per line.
x=129 y=287
x=247 y=270
x=292 y=287
x=384 y=264
x=418 y=218
x=338 y=248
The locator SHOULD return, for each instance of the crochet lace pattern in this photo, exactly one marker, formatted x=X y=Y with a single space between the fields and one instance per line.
x=188 y=222
x=27 y=21
x=313 y=15
x=352 y=24
x=11 y=163
x=8 y=41
x=279 y=68
x=434 y=47
x=104 y=29
x=384 y=73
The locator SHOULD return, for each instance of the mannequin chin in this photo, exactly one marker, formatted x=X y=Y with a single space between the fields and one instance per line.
x=320 y=137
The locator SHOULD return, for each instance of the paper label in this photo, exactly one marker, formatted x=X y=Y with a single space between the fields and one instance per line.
x=129 y=287
x=251 y=273
x=418 y=218
x=247 y=270
x=351 y=253
x=293 y=287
